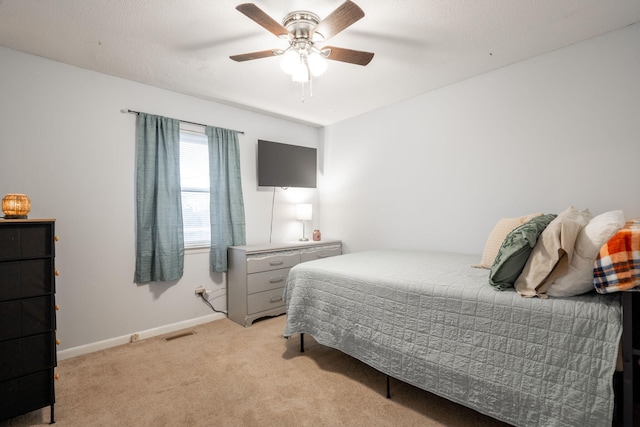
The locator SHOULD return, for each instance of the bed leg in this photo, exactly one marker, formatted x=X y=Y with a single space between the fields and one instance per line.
x=302 y=343
x=388 y=388
x=627 y=358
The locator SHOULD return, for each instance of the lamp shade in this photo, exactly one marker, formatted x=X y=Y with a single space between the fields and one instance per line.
x=290 y=60
x=317 y=64
x=304 y=211
x=16 y=205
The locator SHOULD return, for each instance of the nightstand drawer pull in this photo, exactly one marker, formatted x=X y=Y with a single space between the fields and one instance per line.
x=275 y=299
x=274 y=263
x=276 y=280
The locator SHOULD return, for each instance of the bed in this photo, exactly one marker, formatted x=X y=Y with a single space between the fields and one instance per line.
x=431 y=320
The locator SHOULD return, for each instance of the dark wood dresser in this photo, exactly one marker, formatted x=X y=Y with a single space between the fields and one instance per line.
x=27 y=316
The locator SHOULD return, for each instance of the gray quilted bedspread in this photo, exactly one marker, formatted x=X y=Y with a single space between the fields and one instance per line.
x=433 y=321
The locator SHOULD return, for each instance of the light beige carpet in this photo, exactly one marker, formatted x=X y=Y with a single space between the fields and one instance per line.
x=228 y=375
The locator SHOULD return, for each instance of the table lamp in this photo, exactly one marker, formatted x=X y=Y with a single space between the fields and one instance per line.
x=304 y=213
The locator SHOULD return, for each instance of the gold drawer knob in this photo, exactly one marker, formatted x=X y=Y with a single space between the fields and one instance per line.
x=56 y=272
x=56 y=376
x=57 y=342
x=56 y=238
x=57 y=307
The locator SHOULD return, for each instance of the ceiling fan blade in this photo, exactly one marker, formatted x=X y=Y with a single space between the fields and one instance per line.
x=256 y=55
x=259 y=16
x=357 y=57
x=346 y=14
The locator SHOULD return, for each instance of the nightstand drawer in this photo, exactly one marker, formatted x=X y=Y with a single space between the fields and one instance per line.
x=266 y=300
x=259 y=263
x=266 y=280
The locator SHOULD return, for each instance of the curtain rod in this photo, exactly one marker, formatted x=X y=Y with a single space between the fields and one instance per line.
x=183 y=121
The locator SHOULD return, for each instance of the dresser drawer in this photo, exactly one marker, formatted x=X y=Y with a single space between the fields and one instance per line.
x=28 y=316
x=318 y=253
x=20 y=279
x=26 y=355
x=26 y=394
x=266 y=300
x=266 y=280
x=26 y=241
x=257 y=263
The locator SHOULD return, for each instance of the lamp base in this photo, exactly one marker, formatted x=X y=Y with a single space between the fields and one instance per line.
x=15 y=217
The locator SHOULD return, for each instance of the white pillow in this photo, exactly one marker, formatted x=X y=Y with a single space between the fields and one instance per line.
x=579 y=278
x=497 y=236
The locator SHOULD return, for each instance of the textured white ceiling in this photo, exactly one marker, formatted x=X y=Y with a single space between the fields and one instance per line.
x=184 y=45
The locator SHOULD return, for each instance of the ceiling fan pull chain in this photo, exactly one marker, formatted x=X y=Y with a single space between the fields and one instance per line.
x=310 y=87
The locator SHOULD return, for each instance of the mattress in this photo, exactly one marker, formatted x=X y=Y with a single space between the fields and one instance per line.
x=433 y=321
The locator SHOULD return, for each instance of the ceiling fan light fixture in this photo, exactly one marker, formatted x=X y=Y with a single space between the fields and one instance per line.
x=290 y=60
x=317 y=64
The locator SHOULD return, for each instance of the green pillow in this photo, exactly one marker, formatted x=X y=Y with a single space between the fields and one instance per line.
x=515 y=251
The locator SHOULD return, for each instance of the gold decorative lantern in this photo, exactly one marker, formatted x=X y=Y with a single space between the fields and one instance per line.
x=16 y=206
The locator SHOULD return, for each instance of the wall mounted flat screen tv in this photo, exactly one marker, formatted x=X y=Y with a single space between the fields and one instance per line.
x=285 y=165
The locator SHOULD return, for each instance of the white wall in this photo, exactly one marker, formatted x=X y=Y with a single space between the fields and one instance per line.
x=437 y=171
x=65 y=143
x=433 y=172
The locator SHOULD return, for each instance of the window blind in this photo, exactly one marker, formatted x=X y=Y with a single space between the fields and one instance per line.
x=194 y=180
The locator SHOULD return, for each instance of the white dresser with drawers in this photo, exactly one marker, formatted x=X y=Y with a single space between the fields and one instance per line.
x=257 y=274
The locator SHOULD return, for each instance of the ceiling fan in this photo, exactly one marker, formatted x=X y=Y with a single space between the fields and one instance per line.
x=303 y=30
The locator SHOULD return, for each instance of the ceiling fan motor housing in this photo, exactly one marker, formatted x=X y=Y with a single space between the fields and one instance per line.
x=300 y=25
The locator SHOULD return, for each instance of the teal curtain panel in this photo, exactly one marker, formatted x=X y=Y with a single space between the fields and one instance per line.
x=227 y=204
x=159 y=232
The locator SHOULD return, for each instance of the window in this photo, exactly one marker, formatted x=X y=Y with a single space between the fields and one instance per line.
x=194 y=180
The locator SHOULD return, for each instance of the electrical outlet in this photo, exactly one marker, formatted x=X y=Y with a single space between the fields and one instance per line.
x=135 y=337
x=200 y=290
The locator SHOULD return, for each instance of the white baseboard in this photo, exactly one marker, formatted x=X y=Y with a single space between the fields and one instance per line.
x=125 y=339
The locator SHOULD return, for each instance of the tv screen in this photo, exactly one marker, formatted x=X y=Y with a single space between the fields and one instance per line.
x=285 y=165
